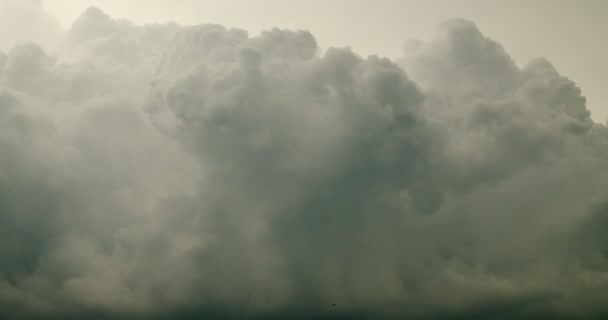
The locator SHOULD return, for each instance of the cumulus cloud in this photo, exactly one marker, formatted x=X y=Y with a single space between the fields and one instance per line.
x=197 y=171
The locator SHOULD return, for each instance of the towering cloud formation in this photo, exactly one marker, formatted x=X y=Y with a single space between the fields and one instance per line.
x=168 y=171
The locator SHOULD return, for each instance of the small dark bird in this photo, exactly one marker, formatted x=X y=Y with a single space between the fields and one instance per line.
x=333 y=304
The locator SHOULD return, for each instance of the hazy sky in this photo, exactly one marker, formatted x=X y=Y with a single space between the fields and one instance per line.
x=187 y=170
x=570 y=33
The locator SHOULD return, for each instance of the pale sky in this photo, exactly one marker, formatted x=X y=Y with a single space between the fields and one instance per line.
x=570 y=34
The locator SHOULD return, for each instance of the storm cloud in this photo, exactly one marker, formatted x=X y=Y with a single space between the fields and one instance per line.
x=168 y=171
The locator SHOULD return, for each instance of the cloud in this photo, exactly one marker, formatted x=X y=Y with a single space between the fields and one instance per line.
x=191 y=171
x=39 y=26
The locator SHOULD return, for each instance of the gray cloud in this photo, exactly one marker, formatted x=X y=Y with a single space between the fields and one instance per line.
x=197 y=171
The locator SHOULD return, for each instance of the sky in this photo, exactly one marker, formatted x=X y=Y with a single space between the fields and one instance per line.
x=328 y=160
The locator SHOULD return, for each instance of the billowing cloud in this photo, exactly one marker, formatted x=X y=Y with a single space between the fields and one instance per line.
x=197 y=171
